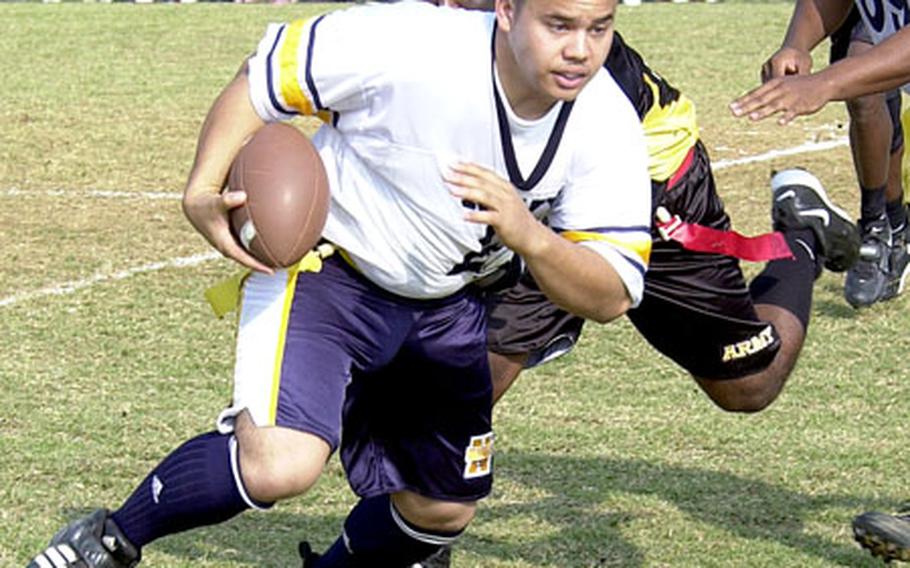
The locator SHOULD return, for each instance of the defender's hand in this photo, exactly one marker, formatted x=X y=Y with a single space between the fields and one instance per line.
x=786 y=61
x=789 y=97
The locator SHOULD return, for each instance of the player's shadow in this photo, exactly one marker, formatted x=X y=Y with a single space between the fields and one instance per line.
x=836 y=308
x=580 y=529
x=568 y=520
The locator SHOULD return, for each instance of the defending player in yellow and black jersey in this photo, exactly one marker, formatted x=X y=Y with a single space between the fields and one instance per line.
x=697 y=307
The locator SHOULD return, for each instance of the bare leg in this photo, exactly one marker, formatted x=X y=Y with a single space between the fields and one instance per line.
x=505 y=369
x=870 y=133
x=752 y=393
x=895 y=189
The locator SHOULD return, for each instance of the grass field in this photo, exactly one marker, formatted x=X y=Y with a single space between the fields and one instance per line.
x=610 y=457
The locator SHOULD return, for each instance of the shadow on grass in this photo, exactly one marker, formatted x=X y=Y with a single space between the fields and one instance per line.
x=580 y=533
x=835 y=310
x=748 y=508
x=267 y=539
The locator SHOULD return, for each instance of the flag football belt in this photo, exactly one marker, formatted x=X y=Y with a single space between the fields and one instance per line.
x=224 y=297
x=698 y=238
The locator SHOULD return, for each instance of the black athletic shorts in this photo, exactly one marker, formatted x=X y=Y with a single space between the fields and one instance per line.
x=696 y=309
x=853 y=29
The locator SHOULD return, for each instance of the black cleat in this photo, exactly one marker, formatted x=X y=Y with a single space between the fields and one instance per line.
x=884 y=535
x=441 y=559
x=867 y=280
x=94 y=541
x=309 y=557
x=800 y=202
x=899 y=267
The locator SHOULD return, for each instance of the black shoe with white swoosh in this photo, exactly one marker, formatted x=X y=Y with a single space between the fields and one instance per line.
x=800 y=202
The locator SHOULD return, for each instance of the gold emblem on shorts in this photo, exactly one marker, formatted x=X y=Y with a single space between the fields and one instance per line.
x=478 y=456
x=750 y=346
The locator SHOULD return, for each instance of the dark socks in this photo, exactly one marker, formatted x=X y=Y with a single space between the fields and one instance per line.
x=788 y=283
x=194 y=486
x=872 y=203
x=897 y=214
x=376 y=535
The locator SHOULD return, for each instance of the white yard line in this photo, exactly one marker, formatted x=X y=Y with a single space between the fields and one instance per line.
x=772 y=154
x=70 y=287
x=75 y=285
x=99 y=193
x=716 y=165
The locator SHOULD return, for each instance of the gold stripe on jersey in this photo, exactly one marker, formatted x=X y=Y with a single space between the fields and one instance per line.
x=289 y=66
x=289 y=290
x=670 y=132
x=631 y=243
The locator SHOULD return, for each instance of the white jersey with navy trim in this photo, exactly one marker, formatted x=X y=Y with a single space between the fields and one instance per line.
x=411 y=89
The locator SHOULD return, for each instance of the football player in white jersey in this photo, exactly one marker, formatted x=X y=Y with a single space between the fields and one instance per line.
x=450 y=137
x=884 y=66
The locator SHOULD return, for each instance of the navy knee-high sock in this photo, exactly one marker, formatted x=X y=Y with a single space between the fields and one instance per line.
x=375 y=534
x=788 y=283
x=196 y=485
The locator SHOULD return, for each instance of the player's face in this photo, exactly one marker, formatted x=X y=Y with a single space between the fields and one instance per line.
x=557 y=45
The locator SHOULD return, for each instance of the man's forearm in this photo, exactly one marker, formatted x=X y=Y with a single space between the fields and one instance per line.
x=579 y=280
x=813 y=21
x=881 y=68
x=229 y=123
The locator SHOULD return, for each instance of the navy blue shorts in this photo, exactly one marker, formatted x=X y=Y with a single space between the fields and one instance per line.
x=406 y=381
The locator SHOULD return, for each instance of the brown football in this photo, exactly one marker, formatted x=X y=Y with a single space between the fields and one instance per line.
x=287 y=195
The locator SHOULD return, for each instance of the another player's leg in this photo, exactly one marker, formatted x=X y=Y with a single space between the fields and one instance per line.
x=818 y=234
x=899 y=269
x=504 y=369
x=741 y=347
x=871 y=142
x=884 y=535
x=867 y=281
x=524 y=330
x=870 y=129
x=895 y=208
